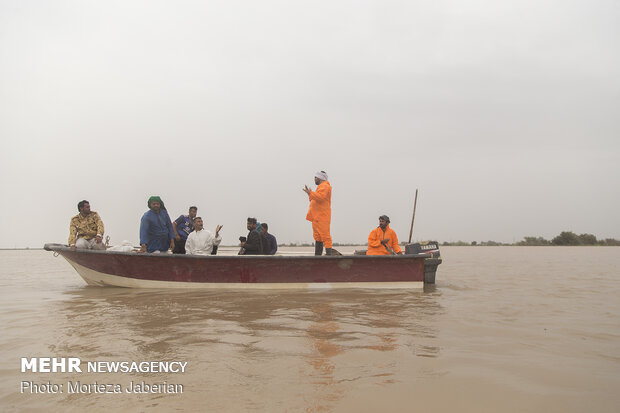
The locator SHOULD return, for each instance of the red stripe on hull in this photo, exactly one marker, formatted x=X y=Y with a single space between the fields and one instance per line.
x=251 y=269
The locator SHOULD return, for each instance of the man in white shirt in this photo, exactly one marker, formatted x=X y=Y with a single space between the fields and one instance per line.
x=201 y=241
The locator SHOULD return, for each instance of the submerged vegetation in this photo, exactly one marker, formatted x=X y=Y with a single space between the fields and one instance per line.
x=570 y=238
x=565 y=238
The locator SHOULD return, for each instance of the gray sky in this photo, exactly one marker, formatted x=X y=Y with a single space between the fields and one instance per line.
x=503 y=114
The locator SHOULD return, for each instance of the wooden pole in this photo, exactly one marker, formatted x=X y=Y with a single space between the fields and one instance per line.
x=413 y=217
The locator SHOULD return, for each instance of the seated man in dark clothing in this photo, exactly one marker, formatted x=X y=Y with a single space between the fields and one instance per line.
x=270 y=244
x=254 y=243
x=182 y=226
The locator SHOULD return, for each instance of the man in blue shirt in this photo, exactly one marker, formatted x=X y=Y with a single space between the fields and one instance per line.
x=182 y=226
x=156 y=234
x=270 y=245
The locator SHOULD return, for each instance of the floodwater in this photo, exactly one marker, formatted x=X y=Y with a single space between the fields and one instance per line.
x=505 y=329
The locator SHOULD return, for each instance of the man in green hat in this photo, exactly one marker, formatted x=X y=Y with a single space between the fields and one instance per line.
x=156 y=233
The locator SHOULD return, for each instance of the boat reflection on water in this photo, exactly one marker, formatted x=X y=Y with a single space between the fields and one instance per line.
x=299 y=349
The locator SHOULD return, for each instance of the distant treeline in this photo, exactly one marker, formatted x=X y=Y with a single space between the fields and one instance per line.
x=565 y=238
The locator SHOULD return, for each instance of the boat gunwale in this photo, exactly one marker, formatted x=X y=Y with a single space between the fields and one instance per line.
x=60 y=248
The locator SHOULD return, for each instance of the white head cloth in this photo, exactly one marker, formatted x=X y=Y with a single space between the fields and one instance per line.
x=321 y=175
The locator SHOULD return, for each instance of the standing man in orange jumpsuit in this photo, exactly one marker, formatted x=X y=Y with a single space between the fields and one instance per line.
x=383 y=240
x=320 y=213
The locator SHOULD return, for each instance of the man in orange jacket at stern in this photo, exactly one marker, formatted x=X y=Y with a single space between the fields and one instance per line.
x=383 y=240
x=320 y=213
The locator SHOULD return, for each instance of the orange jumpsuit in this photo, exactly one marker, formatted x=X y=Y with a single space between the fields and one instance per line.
x=374 y=241
x=320 y=213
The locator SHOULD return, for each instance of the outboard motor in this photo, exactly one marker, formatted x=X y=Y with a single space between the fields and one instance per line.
x=424 y=247
x=432 y=257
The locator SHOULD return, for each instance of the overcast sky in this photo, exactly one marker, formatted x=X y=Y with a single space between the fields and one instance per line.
x=505 y=115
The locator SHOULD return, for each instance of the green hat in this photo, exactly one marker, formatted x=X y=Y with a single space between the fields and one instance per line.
x=158 y=199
